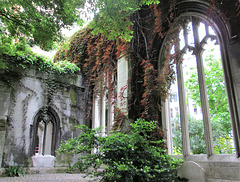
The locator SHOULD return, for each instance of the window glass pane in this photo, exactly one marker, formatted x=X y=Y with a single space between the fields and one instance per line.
x=217 y=98
x=190 y=34
x=211 y=31
x=201 y=31
x=181 y=39
x=172 y=50
x=175 y=119
x=193 y=103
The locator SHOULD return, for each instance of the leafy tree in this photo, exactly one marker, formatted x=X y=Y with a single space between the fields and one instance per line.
x=222 y=141
x=112 y=20
x=224 y=145
x=196 y=136
x=216 y=90
x=40 y=21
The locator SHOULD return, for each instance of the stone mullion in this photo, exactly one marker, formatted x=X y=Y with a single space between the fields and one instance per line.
x=203 y=91
x=183 y=107
x=206 y=29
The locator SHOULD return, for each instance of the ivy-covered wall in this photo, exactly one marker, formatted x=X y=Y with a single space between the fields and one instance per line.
x=150 y=79
x=24 y=91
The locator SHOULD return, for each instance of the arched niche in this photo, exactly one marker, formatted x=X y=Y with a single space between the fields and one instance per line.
x=45 y=132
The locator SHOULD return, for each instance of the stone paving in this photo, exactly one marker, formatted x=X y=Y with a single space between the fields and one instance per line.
x=58 y=177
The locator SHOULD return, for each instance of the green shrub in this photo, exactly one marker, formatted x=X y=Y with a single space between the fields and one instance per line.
x=13 y=171
x=126 y=157
x=222 y=140
x=224 y=145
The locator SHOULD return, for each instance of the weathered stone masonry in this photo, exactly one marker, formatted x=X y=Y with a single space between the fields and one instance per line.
x=25 y=95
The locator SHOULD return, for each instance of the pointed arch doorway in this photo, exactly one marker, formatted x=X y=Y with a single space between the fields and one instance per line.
x=45 y=135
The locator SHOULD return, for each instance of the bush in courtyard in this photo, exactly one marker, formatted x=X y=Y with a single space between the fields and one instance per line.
x=125 y=157
x=224 y=145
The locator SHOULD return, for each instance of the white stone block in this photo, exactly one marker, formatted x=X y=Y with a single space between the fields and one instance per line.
x=43 y=161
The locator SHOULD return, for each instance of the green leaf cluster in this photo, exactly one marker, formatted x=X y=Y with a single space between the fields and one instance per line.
x=14 y=171
x=222 y=142
x=196 y=136
x=125 y=157
x=18 y=59
x=113 y=17
x=42 y=63
x=40 y=21
x=224 y=145
x=216 y=90
x=16 y=52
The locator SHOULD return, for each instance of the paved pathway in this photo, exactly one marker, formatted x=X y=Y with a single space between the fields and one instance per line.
x=58 y=177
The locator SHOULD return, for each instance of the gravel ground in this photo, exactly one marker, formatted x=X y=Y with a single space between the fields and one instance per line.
x=58 y=177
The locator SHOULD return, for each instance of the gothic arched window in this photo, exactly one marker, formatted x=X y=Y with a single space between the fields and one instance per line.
x=198 y=115
x=45 y=132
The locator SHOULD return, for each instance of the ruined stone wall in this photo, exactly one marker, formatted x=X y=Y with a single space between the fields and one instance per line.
x=22 y=96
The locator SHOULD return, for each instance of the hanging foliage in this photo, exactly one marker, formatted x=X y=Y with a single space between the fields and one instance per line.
x=97 y=57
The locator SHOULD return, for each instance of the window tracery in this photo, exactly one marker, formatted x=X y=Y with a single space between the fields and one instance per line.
x=192 y=54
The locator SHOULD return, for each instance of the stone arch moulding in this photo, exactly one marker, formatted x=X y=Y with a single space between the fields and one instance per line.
x=197 y=8
x=45 y=115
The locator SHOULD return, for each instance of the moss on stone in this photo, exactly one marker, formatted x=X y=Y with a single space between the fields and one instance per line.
x=73 y=97
x=72 y=124
x=2 y=124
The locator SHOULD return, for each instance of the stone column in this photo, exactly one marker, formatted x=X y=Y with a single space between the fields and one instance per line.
x=103 y=115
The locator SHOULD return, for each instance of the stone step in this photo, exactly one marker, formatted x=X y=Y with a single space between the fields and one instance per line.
x=47 y=170
x=42 y=170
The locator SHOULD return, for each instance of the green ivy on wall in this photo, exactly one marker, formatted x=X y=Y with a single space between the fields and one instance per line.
x=15 y=52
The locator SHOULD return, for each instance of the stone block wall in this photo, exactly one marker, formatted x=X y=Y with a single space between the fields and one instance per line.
x=22 y=95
